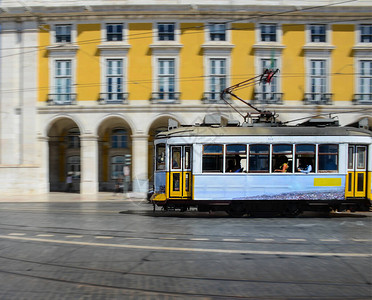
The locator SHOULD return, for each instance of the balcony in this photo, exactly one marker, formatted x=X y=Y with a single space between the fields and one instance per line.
x=362 y=98
x=318 y=98
x=268 y=98
x=113 y=98
x=165 y=97
x=214 y=98
x=61 y=99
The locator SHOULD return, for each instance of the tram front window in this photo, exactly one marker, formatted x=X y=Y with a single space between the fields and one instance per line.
x=160 y=157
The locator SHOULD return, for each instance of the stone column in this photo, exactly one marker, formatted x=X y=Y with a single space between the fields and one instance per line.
x=139 y=163
x=89 y=164
x=43 y=162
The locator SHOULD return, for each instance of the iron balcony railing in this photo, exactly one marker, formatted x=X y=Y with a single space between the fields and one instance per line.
x=363 y=98
x=214 y=98
x=318 y=98
x=165 y=97
x=113 y=98
x=61 y=99
x=268 y=98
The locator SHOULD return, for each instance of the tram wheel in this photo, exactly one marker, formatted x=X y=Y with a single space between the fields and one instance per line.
x=236 y=210
x=291 y=211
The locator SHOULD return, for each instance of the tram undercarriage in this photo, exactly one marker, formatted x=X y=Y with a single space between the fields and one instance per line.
x=256 y=208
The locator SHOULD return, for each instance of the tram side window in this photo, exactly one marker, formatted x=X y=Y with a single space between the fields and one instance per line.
x=328 y=158
x=259 y=158
x=282 y=158
x=305 y=157
x=236 y=158
x=213 y=158
x=160 y=157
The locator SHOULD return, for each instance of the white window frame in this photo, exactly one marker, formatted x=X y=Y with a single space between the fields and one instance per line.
x=217 y=75
x=156 y=73
x=261 y=87
x=327 y=61
x=106 y=86
x=208 y=32
x=327 y=34
x=177 y=32
x=268 y=54
x=103 y=62
x=104 y=31
x=208 y=68
x=358 y=72
x=359 y=34
x=53 y=36
x=53 y=66
x=278 y=32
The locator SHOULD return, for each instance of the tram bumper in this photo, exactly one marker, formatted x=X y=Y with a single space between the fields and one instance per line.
x=158 y=199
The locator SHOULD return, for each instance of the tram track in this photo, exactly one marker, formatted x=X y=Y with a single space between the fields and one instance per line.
x=165 y=277
x=161 y=236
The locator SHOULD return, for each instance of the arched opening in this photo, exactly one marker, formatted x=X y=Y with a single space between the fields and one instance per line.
x=64 y=156
x=159 y=125
x=115 y=154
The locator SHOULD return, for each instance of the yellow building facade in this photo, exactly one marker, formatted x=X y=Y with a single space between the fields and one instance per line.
x=107 y=78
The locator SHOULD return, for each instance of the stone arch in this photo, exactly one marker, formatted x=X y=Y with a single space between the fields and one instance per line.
x=114 y=151
x=62 y=118
x=160 y=123
x=64 y=134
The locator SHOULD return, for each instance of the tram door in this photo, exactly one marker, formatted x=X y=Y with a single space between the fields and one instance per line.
x=180 y=172
x=356 y=183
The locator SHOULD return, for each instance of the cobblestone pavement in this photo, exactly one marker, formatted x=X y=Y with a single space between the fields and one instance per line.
x=67 y=246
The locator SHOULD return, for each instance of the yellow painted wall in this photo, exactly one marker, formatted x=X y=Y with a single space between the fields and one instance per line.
x=342 y=80
x=139 y=61
x=293 y=63
x=242 y=56
x=43 y=71
x=88 y=62
x=191 y=82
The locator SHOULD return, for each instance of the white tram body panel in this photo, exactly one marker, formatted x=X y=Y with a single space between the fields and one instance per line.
x=340 y=159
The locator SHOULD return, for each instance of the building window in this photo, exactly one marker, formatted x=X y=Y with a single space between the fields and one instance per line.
x=217 y=77
x=217 y=31
x=166 y=79
x=366 y=33
x=73 y=139
x=318 y=80
x=318 y=33
x=117 y=166
x=268 y=93
x=365 y=81
x=114 y=79
x=63 y=81
x=213 y=158
x=114 y=32
x=268 y=32
x=63 y=33
x=166 y=31
x=73 y=166
x=119 y=138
